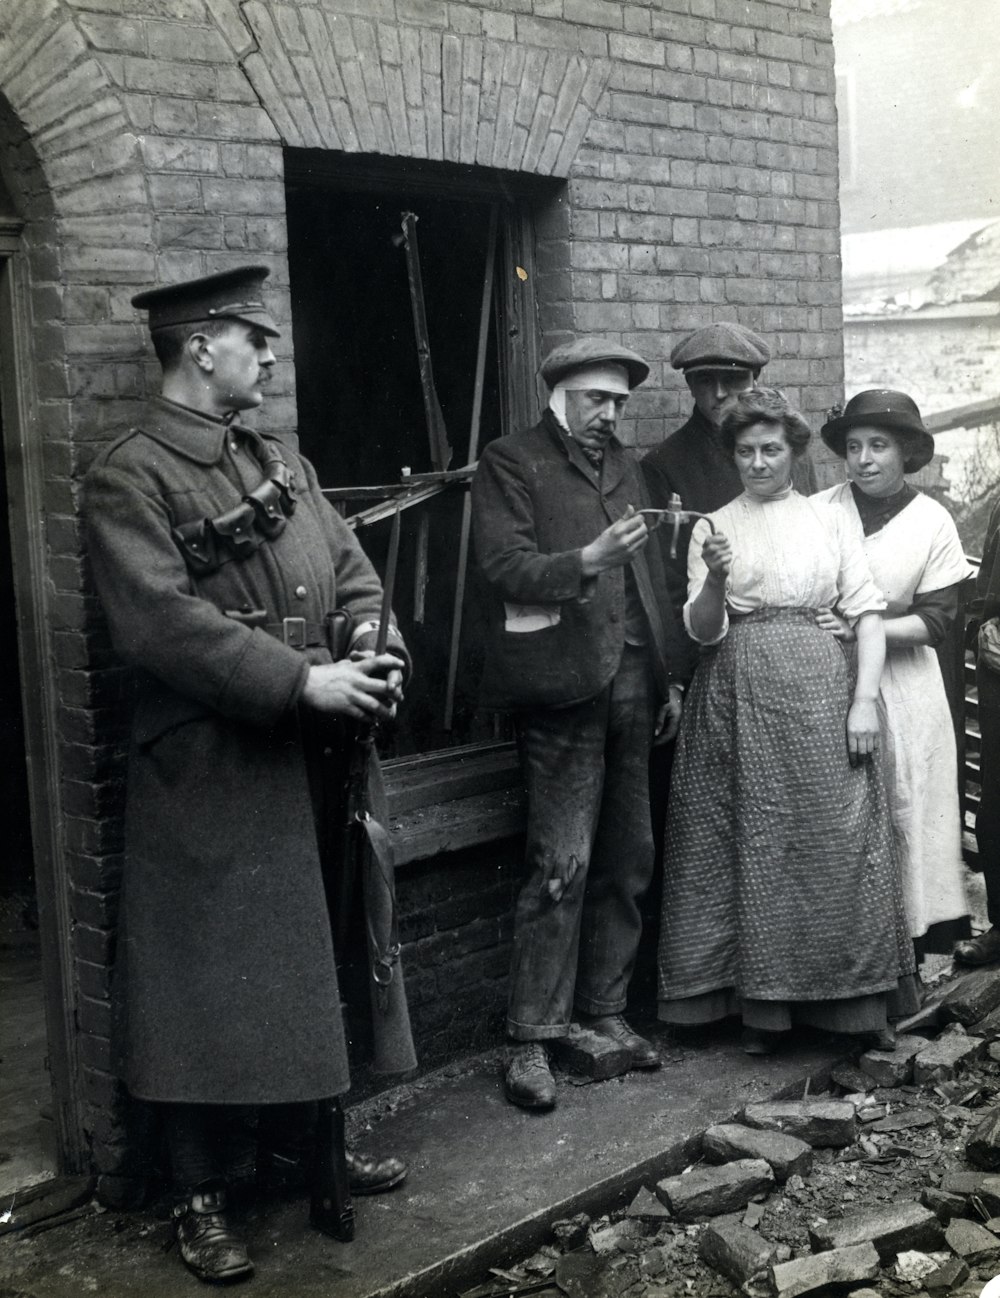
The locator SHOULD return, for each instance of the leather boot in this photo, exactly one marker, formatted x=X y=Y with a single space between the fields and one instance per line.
x=208 y=1245
x=984 y=949
x=367 y=1174
x=527 y=1079
x=644 y=1053
x=330 y=1209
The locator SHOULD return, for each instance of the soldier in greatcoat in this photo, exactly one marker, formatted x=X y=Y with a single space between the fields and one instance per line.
x=220 y=566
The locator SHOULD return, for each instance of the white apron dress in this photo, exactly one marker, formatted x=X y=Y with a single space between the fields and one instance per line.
x=916 y=552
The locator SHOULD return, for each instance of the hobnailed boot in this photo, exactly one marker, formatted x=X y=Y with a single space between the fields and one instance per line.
x=330 y=1209
x=208 y=1245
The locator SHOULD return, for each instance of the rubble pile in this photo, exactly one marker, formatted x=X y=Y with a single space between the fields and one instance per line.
x=887 y=1185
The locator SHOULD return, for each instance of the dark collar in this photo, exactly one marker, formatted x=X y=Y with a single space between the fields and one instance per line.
x=190 y=433
x=603 y=479
x=876 y=511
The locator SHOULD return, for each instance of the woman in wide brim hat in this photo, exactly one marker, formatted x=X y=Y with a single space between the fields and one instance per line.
x=916 y=558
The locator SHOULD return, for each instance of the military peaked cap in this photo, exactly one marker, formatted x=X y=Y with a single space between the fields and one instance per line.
x=230 y=295
x=567 y=357
x=726 y=346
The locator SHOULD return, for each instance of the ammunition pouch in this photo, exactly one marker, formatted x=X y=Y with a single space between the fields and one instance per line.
x=207 y=543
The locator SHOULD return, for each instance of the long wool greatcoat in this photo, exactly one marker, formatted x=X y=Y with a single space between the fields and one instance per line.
x=536 y=503
x=225 y=985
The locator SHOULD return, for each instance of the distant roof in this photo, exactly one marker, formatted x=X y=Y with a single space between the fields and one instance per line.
x=892 y=271
x=854 y=11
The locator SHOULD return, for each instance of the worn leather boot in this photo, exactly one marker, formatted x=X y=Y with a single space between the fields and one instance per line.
x=527 y=1078
x=367 y=1174
x=208 y=1245
x=644 y=1053
x=984 y=949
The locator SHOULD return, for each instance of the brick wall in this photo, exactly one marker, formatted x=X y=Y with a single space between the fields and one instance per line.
x=697 y=144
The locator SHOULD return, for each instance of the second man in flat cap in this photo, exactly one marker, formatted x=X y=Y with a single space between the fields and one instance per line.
x=581 y=644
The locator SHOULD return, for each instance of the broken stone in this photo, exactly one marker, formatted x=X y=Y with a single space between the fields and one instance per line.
x=605 y=1242
x=571 y=1232
x=823 y=1271
x=591 y=1054
x=905 y=1120
x=734 y=1250
x=972 y=1242
x=913 y=1266
x=852 y=1079
x=993 y=1050
x=647 y=1207
x=820 y=1123
x=947 y=1276
x=754 y=1215
x=984 y=1185
x=711 y=1191
x=988 y=1027
x=786 y=1155
x=892 y=1067
x=943 y=1205
x=983 y=1145
x=938 y=1061
x=582 y=1275
x=893 y=1229
x=972 y=997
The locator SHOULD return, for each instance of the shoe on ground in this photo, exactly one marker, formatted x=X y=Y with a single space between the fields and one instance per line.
x=984 y=949
x=369 y=1175
x=644 y=1054
x=208 y=1244
x=527 y=1078
x=757 y=1042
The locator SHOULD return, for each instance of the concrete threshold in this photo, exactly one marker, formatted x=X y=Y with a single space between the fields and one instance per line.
x=486 y=1182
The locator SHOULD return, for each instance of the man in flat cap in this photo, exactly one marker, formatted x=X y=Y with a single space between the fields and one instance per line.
x=581 y=640
x=250 y=614
x=718 y=363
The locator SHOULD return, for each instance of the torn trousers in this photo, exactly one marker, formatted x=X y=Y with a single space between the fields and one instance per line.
x=586 y=770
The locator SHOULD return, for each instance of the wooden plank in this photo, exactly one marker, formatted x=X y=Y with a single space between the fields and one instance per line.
x=416 y=788
x=455 y=825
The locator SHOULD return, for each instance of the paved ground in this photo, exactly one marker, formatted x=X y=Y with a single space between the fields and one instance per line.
x=486 y=1182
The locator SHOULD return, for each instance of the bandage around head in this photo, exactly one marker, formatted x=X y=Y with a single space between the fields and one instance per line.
x=606 y=377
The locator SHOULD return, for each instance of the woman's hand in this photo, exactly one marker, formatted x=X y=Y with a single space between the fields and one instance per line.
x=862 y=731
x=830 y=620
x=668 y=717
x=717 y=554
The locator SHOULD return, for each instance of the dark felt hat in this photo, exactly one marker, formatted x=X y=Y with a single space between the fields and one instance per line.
x=230 y=295
x=725 y=346
x=882 y=408
x=567 y=357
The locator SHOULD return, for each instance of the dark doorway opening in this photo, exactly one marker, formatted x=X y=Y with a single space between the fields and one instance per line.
x=29 y=1152
x=360 y=400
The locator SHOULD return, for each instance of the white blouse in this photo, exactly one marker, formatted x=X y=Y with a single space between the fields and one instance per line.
x=789 y=551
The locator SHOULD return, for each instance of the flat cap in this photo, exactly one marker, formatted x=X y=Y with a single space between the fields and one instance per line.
x=230 y=295
x=581 y=352
x=725 y=346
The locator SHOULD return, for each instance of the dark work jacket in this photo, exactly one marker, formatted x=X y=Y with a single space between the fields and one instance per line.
x=987 y=605
x=536 y=502
x=225 y=987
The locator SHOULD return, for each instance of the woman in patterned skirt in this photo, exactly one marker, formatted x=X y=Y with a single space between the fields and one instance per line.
x=916 y=559
x=782 y=900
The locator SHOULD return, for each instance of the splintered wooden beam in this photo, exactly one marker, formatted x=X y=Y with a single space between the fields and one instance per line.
x=477 y=408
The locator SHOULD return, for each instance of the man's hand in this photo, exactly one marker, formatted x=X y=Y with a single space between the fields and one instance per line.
x=668 y=718
x=365 y=687
x=829 y=620
x=616 y=545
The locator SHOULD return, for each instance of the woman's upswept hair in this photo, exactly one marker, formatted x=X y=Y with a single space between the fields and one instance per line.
x=765 y=406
